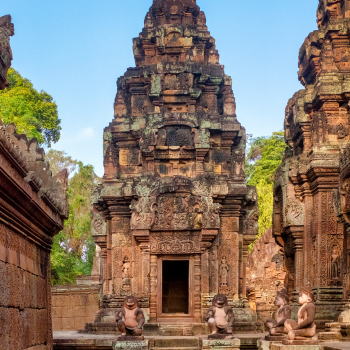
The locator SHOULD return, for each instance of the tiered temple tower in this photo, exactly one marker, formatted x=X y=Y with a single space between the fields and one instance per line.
x=174 y=216
x=306 y=206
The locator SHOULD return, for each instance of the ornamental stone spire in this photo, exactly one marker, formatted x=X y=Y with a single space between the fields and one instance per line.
x=175 y=31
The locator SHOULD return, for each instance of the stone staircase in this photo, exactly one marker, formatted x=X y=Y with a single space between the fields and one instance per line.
x=174 y=343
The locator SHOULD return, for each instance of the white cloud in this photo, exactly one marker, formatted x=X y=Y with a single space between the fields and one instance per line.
x=86 y=133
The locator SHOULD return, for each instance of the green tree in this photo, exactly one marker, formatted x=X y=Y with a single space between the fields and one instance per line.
x=34 y=113
x=263 y=158
x=59 y=160
x=74 y=249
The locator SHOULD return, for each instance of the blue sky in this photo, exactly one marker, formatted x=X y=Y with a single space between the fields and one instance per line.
x=76 y=49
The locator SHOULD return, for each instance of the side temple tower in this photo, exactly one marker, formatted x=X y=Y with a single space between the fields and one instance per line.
x=174 y=215
x=316 y=131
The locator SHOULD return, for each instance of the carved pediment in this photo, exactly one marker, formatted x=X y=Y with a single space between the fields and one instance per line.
x=175 y=243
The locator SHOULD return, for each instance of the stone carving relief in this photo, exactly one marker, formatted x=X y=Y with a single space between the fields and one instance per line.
x=126 y=276
x=143 y=212
x=294 y=212
x=174 y=243
x=98 y=224
x=175 y=136
x=224 y=273
x=251 y=212
x=335 y=264
x=341 y=131
x=171 y=212
x=278 y=259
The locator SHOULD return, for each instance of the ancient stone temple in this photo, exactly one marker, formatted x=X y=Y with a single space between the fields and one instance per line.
x=174 y=216
x=316 y=131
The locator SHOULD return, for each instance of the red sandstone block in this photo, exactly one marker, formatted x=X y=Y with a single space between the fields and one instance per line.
x=78 y=311
x=42 y=326
x=4 y=285
x=43 y=288
x=80 y=322
x=67 y=312
x=56 y=312
x=62 y=300
x=25 y=324
x=93 y=299
x=32 y=326
x=14 y=331
x=68 y=324
x=22 y=292
x=84 y=299
x=4 y=327
x=35 y=291
x=57 y=324
x=91 y=311
x=74 y=300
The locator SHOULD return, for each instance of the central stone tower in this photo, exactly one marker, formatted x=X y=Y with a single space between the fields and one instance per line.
x=174 y=216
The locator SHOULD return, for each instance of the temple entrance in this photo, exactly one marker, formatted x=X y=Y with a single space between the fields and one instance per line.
x=175 y=287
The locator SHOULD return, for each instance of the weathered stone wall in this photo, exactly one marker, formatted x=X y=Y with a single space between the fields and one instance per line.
x=32 y=209
x=23 y=292
x=33 y=206
x=265 y=275
x=73 y=306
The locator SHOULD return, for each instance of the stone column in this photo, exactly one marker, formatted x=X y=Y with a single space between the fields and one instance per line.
x=197 y=288
x=298 y=244
x=153 y=278
x=120 y=247
x=145 y=253
x=104 y=271
x=229 y=248
x=308 y=240
x=205 y=270
x=244 y=272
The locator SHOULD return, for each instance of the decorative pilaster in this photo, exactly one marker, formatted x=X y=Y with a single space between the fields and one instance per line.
x=298 y=242
x=153 y=277
x=145 y=253
x=197 y=288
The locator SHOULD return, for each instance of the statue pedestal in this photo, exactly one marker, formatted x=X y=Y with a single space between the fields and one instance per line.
x=294 y=347
x=130 y=344
x=300 y=342
x=275 y=338
x=226 y=344
x=130 y=338
x=329 y=336
x=220 y=336
x=266 y=344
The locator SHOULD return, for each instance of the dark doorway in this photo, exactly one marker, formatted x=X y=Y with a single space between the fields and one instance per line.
x=175 y=287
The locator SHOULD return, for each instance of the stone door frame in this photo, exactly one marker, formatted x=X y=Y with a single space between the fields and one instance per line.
x=175 y=317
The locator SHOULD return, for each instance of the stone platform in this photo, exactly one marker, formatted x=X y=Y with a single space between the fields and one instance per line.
x=79 y=341
x=247 y=341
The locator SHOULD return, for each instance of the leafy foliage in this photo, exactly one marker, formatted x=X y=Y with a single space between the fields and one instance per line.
x=60 y=160
x=34 y=113
x=74 y=249
x=264 y=157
